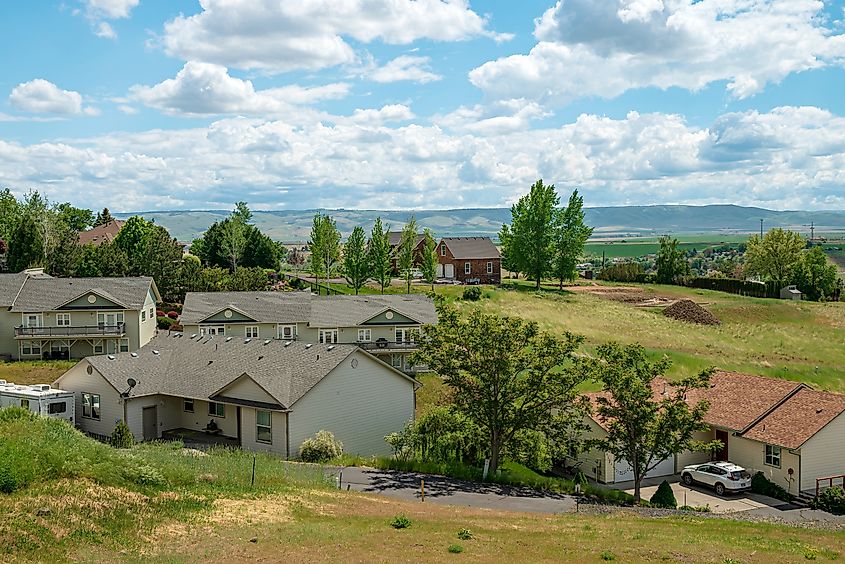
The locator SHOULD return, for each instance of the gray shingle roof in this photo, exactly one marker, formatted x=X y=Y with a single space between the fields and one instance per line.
x=263 y=307
x=10 y=285
x=395 y=237
x=472 y=247
x=317 y=311
x=198 y=368
x=46 y=294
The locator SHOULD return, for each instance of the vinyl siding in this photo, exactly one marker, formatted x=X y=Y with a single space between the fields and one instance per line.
x=135 y=410
x=78 y=380
x=691 y=457
x=8 y=321
x=248 y=433
x=595 y=463
x=246 y=388
x=751 y=455
x=823 y=455
x=359 y=405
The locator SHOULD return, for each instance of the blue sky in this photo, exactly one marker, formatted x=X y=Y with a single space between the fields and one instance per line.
x=401 y=104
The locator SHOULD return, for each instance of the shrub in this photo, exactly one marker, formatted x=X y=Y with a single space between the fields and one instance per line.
x=831 y=500
x=159 y=313
x=472 y=293
x=664 y=496
x=607 y=556
x=121 y=437
x=465 y=534
x=321 y=448
x=623 y=272
x=172 y=314
x=9 y=480
x=400 y=522
x=165 y=323
x=762 y=485
x=145 y=475
x=455 y=548
x=696 y=508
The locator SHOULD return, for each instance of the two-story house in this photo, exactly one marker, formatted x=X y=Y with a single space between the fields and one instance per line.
x=395 y=239
x=46 y=317
x=471 y=260
x=384 y=325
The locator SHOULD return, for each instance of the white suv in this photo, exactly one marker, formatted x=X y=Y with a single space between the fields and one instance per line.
x=722 y=476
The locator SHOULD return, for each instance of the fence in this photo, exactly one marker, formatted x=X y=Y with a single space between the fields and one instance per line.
x=735 y=286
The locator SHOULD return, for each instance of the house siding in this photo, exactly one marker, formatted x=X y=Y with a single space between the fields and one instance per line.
x=359 y=405
x=823 y=455
x=245 y=388
x=249 y=432
x=78 y=381
x=751 y=455
x=689 y=457
x=595 y=463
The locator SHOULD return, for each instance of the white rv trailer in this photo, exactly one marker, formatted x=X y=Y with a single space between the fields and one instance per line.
x=41 y=399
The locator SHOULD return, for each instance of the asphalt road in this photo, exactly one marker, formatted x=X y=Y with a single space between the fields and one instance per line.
x=449 y=491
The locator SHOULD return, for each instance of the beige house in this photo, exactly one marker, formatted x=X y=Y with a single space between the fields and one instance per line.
x=384 y=325
x=260 y=394
x=786 y=430
x=46 y=317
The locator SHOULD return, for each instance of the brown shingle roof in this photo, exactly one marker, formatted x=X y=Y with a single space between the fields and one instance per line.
x=798 y=418
x=395 y=237
x=472 y=247
x=100 y=234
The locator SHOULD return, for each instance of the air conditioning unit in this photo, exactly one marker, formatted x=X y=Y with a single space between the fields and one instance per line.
x=41 y=387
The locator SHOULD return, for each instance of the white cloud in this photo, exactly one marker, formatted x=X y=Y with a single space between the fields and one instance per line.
x=127 y=109
x=391 y=112
x=208 y=89
x=110 y=9
x=605 y=47
x=497 y=117
x=105 y=31
x=790 y=157
x=278 y=36
x=406 y=67
x=42 y=96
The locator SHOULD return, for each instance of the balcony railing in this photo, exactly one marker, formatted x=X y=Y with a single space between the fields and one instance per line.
x=71 y=331
x=385 y=345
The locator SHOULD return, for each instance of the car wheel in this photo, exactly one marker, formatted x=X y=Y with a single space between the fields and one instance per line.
x=720 y=489
x=687 y=479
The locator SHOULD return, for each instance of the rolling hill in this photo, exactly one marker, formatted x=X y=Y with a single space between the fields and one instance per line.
x=623 y=221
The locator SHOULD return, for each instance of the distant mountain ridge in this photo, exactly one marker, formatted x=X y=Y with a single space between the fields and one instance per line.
x=295 y=225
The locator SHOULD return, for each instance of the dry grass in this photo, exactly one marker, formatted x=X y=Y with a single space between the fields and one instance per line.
x=34 y=371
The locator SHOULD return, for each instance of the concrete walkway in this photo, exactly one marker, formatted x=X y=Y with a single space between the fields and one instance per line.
x=449 y=491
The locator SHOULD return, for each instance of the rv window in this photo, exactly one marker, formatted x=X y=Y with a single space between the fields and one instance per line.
x=57 y=407
x=91 y=406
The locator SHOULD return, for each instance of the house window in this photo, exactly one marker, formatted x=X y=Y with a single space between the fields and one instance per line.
x=63 y=319
x=25 y=403
x=60 y=346
x=32 y=320
x=98 y=347
x=252 y=332
x=109 y=319
x=397 y=360
x=217 y=330
x=365 y=335
x=188 y=405
x=328 y=336
x=57 y=407
x=490 y=267
x=400 y=335
x=91 y=406
x=443 y=250
x=467 y=268
x=263 y=427
x=152 y=313
x=287 y=332
x=216 y=409
x=773 y=456
x=30 y=348
x=143 y=315
x=124 y=345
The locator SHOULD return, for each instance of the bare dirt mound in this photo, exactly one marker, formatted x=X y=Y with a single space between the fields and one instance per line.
x=691 y=312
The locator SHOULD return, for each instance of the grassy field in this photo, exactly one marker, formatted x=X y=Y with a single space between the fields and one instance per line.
x=78 y=500
x=34 y=371
x=631 y=248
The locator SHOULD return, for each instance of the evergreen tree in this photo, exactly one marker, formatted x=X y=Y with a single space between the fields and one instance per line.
x=355 y=262
x=379 y=255
x=405 y=253
x=260 y=251
x=26 y=246
x=103 y=218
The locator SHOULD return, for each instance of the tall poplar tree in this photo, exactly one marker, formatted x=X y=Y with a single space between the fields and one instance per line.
x=429 y=260
x=379 y=255
x=405 y=258
x=355 y=261
x=570 y=235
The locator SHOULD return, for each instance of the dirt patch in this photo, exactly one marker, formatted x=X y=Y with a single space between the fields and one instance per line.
x=270 y=509
x=691 y=312
x=625 y=294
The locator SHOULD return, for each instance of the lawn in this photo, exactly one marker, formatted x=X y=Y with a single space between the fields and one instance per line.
x=34 y=371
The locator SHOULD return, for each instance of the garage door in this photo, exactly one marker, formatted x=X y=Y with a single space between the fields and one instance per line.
x=450 y=271
x=625 y=474
x=440 y=271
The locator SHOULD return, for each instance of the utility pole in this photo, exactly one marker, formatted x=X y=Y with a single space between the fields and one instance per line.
x=761 y=228
x=812 y=231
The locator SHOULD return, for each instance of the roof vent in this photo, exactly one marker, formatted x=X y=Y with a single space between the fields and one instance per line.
x=110 y=357
x=247 y=340
x=308 y=346
x=267 y=342
x=193 y=335
x=209 y=362
x=287 y=343
x=155 y=352
x=260 y=356
x=330 y=347
x=819 y=410
x=228 y=339
x=133 y=355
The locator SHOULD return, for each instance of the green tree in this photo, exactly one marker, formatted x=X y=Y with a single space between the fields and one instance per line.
x=246 y=279
x=161 y=258
x=131 y=239
x=10 y=214
x=76 y=219
x=671 y=261
x=26 y=245
x=429 y=260
x=233 y=241
x=528 y=242
x=642 y=429
x=260 y=251
x=355 y=263
x=111 y=260
x=325 y=247
x=379 y=255
x=405 y=252
x=62 y=258
x=506 y=375
x=774 y=256
x=103 y=218
x=814 y=275
x=570 y=235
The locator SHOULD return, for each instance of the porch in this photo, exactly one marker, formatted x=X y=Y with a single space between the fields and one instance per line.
x=199 y=440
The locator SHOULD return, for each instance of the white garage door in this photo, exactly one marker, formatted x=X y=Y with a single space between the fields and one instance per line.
x=440 y=271
x=450 y=271
x=624 y=473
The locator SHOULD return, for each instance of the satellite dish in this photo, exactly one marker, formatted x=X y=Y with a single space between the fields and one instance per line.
x=131 y=382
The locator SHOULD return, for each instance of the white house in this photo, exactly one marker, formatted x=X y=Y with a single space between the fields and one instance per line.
x=260 y=394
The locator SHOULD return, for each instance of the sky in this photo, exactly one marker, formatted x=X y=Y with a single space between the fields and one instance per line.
x=143 y=105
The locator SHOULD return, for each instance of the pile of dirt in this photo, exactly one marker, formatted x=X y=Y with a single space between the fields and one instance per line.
x=691 y=312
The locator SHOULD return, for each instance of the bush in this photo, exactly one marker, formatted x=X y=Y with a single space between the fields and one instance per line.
x=9 y=480
x=159 y=313
x=165 y=323
x=172 y=314
x=607 y=556
x=831 y=500
x=322 y=448
x=400 y=522
x=144 y=475
x=121 y=437
x=762 y=485
x=465 y=534
x=472 y=293
x=455 y=548
x=664 y=497
x=623 y=272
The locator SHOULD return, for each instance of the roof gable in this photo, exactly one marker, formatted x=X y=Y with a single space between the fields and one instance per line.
x=797 y=419
x=389 y=317
x=471 y=247
x=93 y=299
x=245 y=388
x=47 y=293
x=228 y=314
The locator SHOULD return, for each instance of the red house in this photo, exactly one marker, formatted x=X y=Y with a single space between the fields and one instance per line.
x=395 y=238
x=471 y=260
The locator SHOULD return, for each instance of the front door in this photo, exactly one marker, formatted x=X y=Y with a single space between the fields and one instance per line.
x=450 y=270
x=150 y=423
x=722 y=453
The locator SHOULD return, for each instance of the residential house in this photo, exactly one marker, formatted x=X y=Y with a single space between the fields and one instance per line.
x=471 y=260
x=784 y=429
x=104 y=233
x=385 y=325
x=395 y=238
x=266 y=395
x=46 y=317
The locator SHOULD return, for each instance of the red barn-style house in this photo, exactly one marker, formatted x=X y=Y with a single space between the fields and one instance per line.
x=471 y=260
